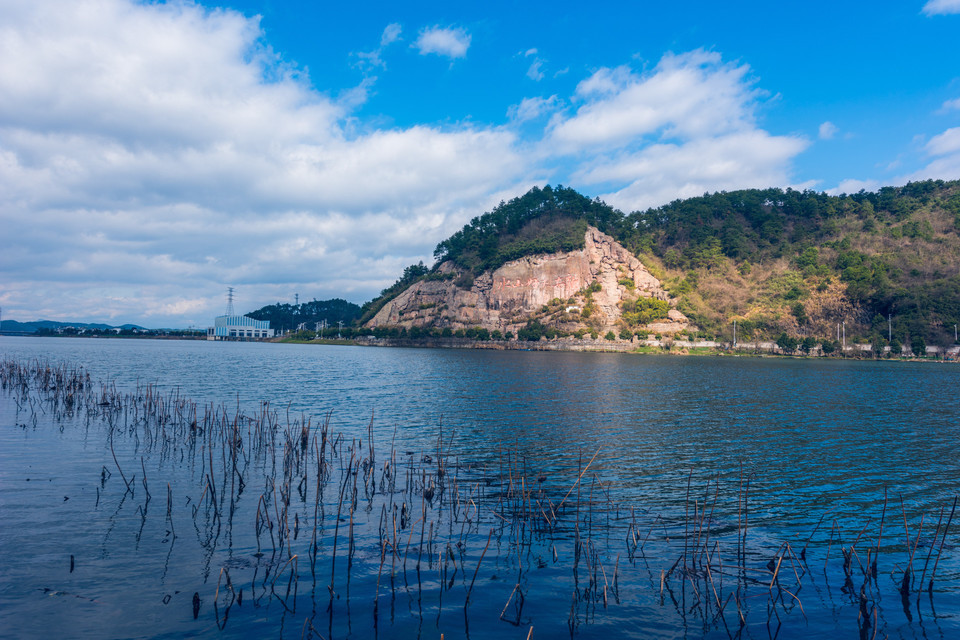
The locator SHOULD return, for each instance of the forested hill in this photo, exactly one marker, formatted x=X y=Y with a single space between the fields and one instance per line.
x=802 y=261
x=290 y=316
x=547 y=220
x=777 y=261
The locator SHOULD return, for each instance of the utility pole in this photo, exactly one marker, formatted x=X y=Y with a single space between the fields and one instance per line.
x=890 y=329
x=339 y=326
x=734 y=334
x=844 y=336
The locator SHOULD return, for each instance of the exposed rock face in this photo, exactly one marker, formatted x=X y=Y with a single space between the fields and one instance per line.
x=519 y=290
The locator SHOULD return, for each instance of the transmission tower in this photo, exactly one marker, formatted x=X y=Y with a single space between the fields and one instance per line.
x=229 y=301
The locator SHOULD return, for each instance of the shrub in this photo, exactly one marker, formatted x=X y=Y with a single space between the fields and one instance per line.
x=610 y=336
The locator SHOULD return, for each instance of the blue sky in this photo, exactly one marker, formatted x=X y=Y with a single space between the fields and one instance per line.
x=152 y=154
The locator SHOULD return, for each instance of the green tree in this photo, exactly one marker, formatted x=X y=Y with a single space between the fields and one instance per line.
x=918 y=346
x=787 y=343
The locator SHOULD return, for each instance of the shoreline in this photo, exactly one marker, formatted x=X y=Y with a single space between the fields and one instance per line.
x=639 y=347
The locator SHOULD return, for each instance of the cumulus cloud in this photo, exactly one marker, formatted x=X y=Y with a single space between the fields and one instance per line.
x=686 y=95
x=686 y=127
x=444 y=41
x=941 y=7
x=151 y=154
x=827 y=131
x=663 y=172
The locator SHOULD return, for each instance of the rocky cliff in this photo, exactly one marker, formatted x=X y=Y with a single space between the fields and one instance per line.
x=580 y=290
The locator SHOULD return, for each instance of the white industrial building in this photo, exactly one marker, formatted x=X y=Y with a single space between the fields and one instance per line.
x=239 y=328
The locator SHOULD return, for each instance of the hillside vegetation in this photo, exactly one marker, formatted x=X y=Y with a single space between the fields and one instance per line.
x=802 y=262
x=777 y=261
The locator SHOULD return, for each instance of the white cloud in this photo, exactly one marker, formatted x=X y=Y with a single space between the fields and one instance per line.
x=854 y=186
x=374 y=59
x=944 y=143
x=951 y=105
x=686 y=95
x=390 y=34
x=944 y=152
x=151 y=154
x=532 y=108
x=663 y=172
x=941 y=7
x=450 y=42
x=827 y=131
x=684 y=128
x=534 y=72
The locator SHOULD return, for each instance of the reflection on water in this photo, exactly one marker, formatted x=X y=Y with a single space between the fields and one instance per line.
x=813 y=438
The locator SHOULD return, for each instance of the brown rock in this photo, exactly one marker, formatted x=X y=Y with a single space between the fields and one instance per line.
x=518 y=291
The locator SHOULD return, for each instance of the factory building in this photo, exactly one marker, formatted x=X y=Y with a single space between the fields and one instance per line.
x=239 y=328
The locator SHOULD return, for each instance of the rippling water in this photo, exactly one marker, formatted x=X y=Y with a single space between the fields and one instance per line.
x=813 y=437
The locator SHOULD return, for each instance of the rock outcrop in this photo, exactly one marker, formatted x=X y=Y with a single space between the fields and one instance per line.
x=581 y=289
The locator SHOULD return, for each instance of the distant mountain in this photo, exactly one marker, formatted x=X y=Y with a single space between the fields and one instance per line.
x=44 y=326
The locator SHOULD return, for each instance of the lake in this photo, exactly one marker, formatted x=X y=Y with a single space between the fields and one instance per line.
x=577 y=494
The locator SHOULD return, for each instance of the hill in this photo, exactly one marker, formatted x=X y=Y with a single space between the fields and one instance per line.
x=800 y=262
x=779 y=262
x=51 y=326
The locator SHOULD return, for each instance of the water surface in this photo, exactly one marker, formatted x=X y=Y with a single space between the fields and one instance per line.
x=813 y=437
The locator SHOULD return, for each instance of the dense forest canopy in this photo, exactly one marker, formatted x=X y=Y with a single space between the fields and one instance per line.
x=548 y=220
x=780 y=261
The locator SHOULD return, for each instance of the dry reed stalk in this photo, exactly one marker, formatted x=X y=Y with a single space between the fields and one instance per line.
x=873 y=568
x=577 y=481
x=336 y=531
x=908 y=572
x=940 y=550
x=509 y=600
x=477 y=570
